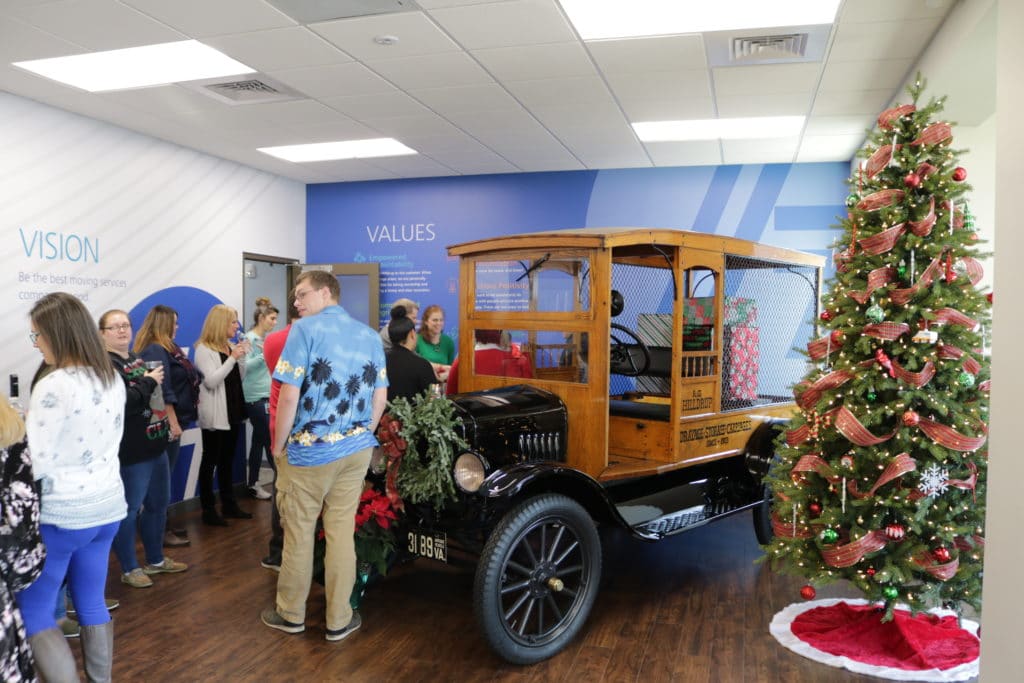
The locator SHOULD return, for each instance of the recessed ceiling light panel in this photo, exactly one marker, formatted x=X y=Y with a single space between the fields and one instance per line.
x=606 y=19
x=719 y=129
x=137 y=67
x=342 y=149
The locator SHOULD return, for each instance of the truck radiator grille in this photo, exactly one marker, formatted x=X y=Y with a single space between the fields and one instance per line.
x=543 y=446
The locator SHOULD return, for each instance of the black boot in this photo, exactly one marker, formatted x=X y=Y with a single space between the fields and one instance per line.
x=211 y=518
x=232 y=511
x=54 y=661
x=98 y=652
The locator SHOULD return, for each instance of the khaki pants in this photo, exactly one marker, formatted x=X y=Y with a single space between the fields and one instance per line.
x=302 y=492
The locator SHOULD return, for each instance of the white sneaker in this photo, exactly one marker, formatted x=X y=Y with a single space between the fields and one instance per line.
x=259 y=493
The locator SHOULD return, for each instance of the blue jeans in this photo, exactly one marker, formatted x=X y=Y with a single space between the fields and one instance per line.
x=146 y=487
x=259 y=418
x=80 y=554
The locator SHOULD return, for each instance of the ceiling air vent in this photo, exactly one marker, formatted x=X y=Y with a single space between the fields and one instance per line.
x=252 y=89
x=757 y=48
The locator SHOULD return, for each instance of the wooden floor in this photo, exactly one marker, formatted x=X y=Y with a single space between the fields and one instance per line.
x=691 y=608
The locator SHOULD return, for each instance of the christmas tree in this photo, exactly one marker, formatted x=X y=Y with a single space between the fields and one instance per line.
x=880 y=478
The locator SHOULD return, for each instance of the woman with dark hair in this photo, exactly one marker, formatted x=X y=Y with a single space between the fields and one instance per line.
x=147 y=486
x=155 y=342
x=74 y=425
x=408 y=374
x=221 y=411
x=411 y=310
x=256 y=388
x=21 y=548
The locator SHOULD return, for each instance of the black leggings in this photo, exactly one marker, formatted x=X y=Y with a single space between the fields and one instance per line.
x=218 y=453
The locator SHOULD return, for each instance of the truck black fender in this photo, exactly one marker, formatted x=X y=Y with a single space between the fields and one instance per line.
x=528 y=479
x=760 y=452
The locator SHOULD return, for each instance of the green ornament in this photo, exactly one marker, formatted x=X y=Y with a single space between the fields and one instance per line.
x=830 y=535
x=901 y=269
x=875 y=314
x=851 y=201
x=965 y=379
x=872 y=397
x=968 y=221
x=890 y=592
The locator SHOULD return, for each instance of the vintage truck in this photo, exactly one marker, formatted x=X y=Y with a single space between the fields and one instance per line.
x=652 y=371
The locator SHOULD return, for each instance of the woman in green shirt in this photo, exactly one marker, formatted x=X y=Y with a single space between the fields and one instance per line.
x=433 y=344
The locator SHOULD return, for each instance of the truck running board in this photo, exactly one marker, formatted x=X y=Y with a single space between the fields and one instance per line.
x=684 y=520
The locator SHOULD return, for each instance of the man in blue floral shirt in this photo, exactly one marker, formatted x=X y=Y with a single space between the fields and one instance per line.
x=333 y=392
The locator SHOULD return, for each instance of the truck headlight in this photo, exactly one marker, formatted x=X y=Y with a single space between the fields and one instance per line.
x=469 y=472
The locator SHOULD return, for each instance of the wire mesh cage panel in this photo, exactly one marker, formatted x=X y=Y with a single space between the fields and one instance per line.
x=767 y=315
x=647 y=296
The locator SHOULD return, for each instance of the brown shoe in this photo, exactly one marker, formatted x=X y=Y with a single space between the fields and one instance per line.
x=172 y=540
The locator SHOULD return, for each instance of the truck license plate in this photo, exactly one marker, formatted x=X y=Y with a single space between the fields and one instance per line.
x=430 y=545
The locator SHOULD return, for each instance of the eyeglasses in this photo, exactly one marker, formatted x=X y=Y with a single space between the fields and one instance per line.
x=118 y=328
x=300 y=295
x=33 y=336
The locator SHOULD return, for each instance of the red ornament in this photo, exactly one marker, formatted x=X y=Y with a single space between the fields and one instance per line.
x=913 y=180
x=959 y=174
x=941 y=554
x=826 y=315
x=847 y=461
x=989 y=297
x=808 y=592
x=815 y=509
x=836 y=337
x=895 y=532
x=870 y=571
x=911 y=419
x=884 y=361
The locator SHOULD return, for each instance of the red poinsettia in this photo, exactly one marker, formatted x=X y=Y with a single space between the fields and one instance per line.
x=375 y=506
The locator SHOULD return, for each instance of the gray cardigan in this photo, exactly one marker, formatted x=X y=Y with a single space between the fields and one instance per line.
x=213 y=404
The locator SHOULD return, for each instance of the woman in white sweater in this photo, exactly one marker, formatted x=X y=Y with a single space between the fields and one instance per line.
x=221 y=411
x=74 y=424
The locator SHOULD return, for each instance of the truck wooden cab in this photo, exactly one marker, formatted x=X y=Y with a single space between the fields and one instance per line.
x=625 y=376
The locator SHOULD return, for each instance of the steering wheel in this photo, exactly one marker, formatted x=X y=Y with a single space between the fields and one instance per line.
x=624 y=355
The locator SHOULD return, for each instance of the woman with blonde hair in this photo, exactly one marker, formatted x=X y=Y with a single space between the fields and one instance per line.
x=147 y=485
x=221 y=410
x=74 y=425
x=21 y=547
x=256 y=387
x=155 y=342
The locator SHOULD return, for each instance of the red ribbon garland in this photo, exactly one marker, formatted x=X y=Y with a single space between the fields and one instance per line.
x=785 y=530
x=915 y=379
x=923 y=227
x=849 y=426
x=880 y=199
x=833 y=380
x=886 y=331
x=901 y=296
x=819 y=348
x=947 y=352
x=897 y=467
x=886 y=118
x=812 y=462
x=942 y=572
x=852 y=553
x=952 y=316
x=880 y=159
x=935 y=134
x=795 y=437
x=877 y=278
x=948 y=437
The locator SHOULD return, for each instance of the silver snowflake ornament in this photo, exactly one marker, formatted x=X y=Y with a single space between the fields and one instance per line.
x=933 y=481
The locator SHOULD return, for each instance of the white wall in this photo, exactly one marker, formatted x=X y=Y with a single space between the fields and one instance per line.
x=1004 y=554
x=158 y=214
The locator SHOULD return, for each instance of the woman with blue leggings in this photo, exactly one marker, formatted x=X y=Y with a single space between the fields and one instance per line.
x=74 y=424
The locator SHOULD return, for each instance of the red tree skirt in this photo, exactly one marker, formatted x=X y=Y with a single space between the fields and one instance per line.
x=850 y=634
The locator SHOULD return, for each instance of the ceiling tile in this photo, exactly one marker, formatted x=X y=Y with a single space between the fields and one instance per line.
x=528 y=62
x=693 y=153
x=22 y=42
x=412 y=166
x=652 y=85
x=829 y=147
x=334 y=80
x=875 y=10
x=573 y=115
x=851 y=102
x=201 y=18
x=556 y=91
x=864 y=75
x=402 y=127
x=766 y=79
x=164 y=100
x=511 y=122
x=783 y=104
x=96 y=24
x=279 y=48
x=503 y=24
x=465 y=99
x=432 y=71
x=839 y=125
x=416 y=34
x=668 y=108
x=435 y=4
x=380 y=105
x=297 y=112
x=774 y=151
x=348 y=170
x=639 y=55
